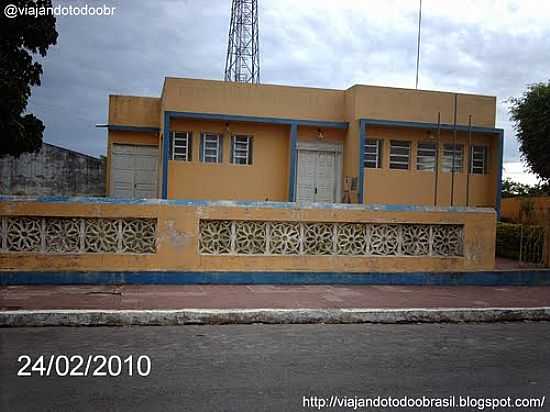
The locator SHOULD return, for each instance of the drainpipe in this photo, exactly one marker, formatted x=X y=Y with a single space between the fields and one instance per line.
x=436 y=174
x=470 y=159
x=454 y=151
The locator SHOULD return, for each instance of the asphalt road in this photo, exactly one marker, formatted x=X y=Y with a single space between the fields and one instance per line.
x=271 y=368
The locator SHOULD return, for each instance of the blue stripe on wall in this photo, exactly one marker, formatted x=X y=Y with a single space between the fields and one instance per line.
x=536 y=277
x=426 y=125
x=243 y=203
x=258 y=119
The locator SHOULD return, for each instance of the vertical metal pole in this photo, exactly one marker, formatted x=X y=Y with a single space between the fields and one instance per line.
x=546 y=242
x=436 y=175
x=418 y=42
x=453 y=158
x=470 y=160
x=499 y=172
x=361 y=176
x=520 y=243
x=293 y=162
x=165 y=154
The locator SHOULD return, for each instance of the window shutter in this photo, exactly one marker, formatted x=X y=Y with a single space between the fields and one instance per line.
x=171 y=146
x=201 y=148
x=220 y=152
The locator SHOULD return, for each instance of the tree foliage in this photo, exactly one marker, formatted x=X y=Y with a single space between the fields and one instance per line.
x=531 y=115
x=22 y=37
x=516 y=189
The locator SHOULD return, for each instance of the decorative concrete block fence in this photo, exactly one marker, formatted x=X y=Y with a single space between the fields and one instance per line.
x=245 y=238
x=107 y=234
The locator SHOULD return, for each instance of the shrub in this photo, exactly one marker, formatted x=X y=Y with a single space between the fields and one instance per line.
x=508 y=242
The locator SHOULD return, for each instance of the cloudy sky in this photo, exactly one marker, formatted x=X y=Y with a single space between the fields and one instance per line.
x=487 y=47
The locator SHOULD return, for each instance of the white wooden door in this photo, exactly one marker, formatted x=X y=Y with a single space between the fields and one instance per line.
x=316 y=176
x=305 y=184
x=133 y=171
x=326 y=177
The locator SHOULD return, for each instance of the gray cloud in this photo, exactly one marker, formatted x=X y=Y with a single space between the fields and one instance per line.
x=477 y=47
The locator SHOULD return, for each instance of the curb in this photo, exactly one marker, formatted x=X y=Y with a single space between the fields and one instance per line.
x=25 y=318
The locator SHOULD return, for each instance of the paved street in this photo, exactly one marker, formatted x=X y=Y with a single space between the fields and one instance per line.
x=260 y=367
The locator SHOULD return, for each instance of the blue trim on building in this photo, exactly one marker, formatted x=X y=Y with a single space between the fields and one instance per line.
x=137 y=129
x=426 y=125
x=499 y=171
x=165 y=154
x=294 y=123
x=257 y=119
x=293 y=163
x=361 y=176
x=242 y=203
x=482 y=278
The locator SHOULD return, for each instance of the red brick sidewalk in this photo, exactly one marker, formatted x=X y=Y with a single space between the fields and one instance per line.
x=257 y=296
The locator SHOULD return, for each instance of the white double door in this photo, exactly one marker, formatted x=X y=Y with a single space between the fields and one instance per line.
x=317 y=176
x=133 y=171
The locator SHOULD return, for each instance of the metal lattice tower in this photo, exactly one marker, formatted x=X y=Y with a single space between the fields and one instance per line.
x=242 y=63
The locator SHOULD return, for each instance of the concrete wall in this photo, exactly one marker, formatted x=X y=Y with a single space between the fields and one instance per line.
x=52 y=171
x=177 y=245
x=515 y=210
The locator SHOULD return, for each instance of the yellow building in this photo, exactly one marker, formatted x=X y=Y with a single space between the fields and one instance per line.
x=212 y=140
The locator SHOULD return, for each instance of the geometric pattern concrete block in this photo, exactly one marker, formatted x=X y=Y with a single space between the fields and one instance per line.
x=232 y=237
x=61 y=235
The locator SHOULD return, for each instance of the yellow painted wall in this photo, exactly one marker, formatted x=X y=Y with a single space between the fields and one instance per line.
x=422 y=106
x=265 y=179
x=134 y=111
x=178 y=231
x=311 y=134
x=391 y=186
x=210 y=96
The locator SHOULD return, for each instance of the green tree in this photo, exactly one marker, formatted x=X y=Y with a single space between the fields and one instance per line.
x=531 y=115
x=22 y=37
x=516 y=189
